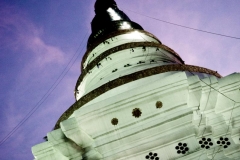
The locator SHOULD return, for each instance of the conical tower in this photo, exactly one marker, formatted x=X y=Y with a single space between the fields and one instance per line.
x=136 y=99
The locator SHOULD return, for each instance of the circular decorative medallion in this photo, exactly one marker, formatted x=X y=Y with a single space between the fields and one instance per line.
x=152 y=156
x=206 y=143
x=159 y=104
x=114 y=121
x=136 y=112
x=223 y=142
x=182 y=148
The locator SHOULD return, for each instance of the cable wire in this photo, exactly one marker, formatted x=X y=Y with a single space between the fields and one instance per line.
x=183 y=26
x=46 y=95
x=230 y=119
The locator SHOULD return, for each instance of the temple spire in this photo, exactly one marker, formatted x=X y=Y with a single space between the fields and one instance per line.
x=103 y=5
x=109 y=19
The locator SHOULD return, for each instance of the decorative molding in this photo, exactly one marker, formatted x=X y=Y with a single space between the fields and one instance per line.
x=136 y=112
x=114 y=121
x=224 y=142
x=159 y=104
x=105 y=54
x=130 y=46
x=182 y=148
x=206 y=143
x=114 y=34
x=130 y=78
x=73 y=132
x=152 y=156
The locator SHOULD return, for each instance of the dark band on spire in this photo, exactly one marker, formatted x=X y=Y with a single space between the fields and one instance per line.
x=103 y=5
x=109 y=19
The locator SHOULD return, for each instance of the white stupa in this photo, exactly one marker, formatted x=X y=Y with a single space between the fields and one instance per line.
x=136 y=100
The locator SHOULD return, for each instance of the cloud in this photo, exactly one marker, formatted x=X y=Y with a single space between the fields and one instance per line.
x=19 y=34
x=48 y=53
x=23 y=47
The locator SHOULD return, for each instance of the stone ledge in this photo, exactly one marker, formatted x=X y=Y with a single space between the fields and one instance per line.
x=130 y=78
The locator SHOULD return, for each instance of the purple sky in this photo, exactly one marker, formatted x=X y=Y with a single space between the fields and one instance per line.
x=39 y=38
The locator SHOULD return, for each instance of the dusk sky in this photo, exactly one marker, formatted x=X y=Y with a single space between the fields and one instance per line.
x=42 y=43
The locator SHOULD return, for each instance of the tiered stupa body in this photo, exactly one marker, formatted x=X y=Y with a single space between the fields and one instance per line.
x=136 y=99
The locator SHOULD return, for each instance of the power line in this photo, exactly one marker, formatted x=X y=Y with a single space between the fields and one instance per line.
x=230 y=119
x=196 y=30
x=179 y=25
x=218 y=34
x=45 y=96
x=211 y=88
